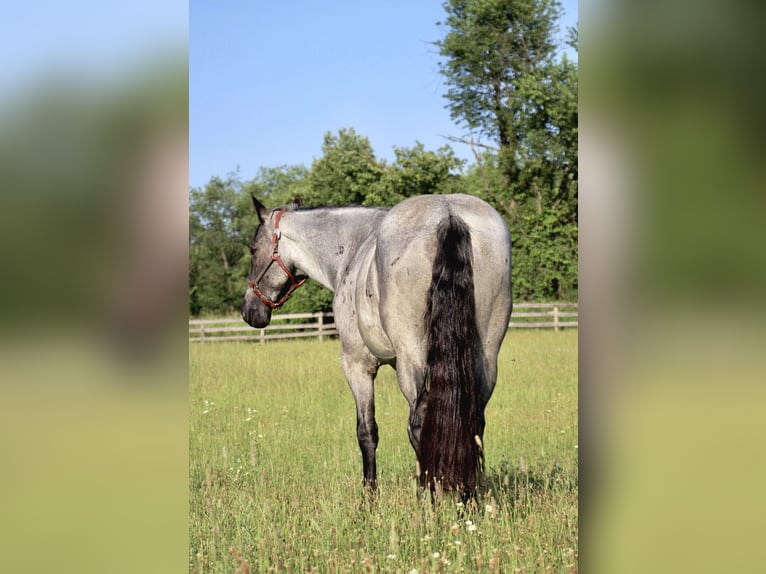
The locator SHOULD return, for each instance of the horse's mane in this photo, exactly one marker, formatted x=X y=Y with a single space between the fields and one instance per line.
x=297 y=205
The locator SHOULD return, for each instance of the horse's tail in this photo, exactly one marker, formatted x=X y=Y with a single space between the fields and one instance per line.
x=449 y=450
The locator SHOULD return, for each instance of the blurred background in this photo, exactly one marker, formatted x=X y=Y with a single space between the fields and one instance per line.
x=672 y=279
x=93 y=252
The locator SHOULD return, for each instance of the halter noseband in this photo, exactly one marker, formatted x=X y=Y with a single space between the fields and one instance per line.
x=275 y=236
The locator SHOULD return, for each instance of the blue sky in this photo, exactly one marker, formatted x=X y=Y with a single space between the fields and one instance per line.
x=269 y=79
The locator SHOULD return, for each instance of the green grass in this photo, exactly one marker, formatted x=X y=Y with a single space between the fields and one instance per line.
x=275 y=471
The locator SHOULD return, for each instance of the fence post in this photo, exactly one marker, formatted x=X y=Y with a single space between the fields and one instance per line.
x=202 y=332
x=261 y=336
x=556 y=318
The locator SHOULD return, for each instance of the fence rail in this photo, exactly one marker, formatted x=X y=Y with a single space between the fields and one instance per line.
x=554 y=316
x=553 y=312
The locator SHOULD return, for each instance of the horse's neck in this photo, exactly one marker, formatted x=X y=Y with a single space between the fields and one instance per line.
x=324 y=240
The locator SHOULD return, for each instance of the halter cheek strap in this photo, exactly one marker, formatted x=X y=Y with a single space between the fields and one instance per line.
x=275 y=257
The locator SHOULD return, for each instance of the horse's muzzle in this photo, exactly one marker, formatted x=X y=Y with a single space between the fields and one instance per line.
x=255 y=313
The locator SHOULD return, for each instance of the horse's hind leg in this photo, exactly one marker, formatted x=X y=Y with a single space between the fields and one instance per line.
x=360 y=373
x=411 y=382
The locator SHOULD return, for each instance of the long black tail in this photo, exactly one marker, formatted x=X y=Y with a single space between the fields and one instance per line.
x=449 y=452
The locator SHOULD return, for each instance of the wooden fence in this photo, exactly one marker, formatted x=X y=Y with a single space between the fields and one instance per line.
x=544 y=316
x=525 y=316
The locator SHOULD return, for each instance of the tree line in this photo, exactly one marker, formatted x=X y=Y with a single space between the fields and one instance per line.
x=515 y=99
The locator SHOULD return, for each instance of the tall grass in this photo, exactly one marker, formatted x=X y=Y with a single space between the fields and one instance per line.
x=275 y=471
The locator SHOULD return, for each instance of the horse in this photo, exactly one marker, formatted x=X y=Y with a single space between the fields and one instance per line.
x=424 y=286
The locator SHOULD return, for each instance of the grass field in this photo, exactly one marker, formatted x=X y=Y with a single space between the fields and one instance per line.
x=275 y=470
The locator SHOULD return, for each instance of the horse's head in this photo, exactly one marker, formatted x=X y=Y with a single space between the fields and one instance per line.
x=271 y=281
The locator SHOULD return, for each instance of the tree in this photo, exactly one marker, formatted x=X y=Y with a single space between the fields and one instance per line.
x=275 y=186
x=490 y=47
x=216 y=243
x=349 y=173
x=346 y=171
x=416 y=171
x=504 y=83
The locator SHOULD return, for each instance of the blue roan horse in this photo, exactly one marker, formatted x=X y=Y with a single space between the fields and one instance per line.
x=425 y=287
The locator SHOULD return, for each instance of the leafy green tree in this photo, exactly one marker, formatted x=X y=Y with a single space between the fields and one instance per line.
x=505 y=83
x=489 y=48
x=216 y=231
x=346 y=171
x=275 y=186
x=545 y=257
x=416 y=171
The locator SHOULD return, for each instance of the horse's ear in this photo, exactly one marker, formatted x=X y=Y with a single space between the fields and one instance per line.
x=263 y=213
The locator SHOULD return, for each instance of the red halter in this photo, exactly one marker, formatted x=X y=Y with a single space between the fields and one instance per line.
x=275 y=236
